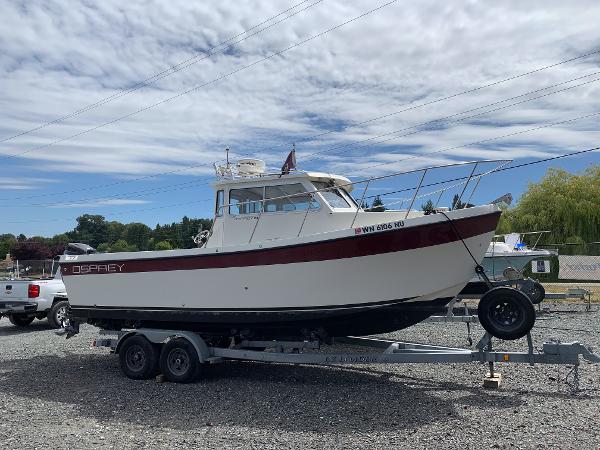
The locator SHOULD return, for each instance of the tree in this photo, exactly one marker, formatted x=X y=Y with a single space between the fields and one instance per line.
x=90 y=229
x=7 y=241
x=457 y=204
x=163 y=245
x=56 y=250
x=377 y=205
x=137 y=234
x=59 y=239
x=122 y=246
x=30 y=250
x=428 y=207
x=103 y=248
x=108 y=237
x=114 y=232
x=566 y=204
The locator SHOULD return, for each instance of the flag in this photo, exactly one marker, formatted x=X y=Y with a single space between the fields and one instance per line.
x=290 y=163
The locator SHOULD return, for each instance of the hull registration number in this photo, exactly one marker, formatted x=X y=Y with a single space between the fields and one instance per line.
x=379 y=227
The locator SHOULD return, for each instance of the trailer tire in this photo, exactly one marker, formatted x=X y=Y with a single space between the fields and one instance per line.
x=20 y=320
x=537 y=293
x=58 y=314
x=506 y=313
x=138 y=358
x=179 y=361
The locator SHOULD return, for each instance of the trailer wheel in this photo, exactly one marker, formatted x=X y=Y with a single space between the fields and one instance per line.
x=179 y=361
x=138 y=358
x=20 y=320
x=58 y=314
x=506 y=313
x=537 y=293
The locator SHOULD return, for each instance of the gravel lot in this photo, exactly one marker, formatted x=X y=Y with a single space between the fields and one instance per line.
x=65 y=395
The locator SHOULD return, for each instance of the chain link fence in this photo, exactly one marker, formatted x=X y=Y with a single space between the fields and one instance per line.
x=577 y=263
x=35 y=269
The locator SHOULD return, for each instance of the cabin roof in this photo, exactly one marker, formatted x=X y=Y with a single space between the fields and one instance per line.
x=274 y=179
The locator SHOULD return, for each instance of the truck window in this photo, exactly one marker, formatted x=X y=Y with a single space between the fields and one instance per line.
x=300 y=200
x=245 y=201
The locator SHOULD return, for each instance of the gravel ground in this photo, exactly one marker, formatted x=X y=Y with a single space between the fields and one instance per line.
x=64 y=394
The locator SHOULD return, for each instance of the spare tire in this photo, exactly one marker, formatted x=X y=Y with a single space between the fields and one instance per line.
x=506 y=313
x=537 y=293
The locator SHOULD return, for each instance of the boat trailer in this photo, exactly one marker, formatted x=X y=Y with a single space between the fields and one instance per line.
x=182 y=353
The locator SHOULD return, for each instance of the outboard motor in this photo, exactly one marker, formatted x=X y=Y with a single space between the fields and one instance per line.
x=71 y=327
x=76 y=248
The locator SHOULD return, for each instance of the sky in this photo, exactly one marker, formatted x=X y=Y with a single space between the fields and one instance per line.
x=121 y=108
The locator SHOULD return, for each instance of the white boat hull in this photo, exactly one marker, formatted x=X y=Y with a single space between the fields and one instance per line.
x=352 y=282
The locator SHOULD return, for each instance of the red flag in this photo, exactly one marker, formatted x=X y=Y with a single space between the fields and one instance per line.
x=290 y=163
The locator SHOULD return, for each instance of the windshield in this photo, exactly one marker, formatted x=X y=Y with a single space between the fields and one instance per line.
x=276 y=199
x=332 y=195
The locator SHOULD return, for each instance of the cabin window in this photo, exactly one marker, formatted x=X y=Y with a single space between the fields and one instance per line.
x=300 y=200
x=219 y=203
x=332 y=194
x=245 y=201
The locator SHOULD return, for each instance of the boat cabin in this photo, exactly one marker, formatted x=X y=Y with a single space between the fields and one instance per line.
x=252 y=206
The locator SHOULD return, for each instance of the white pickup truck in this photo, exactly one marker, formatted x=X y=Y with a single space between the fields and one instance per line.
x=24 y=300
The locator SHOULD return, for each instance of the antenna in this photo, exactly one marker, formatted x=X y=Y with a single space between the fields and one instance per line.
x=227 y=153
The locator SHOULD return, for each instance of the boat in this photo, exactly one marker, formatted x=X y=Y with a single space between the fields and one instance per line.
x=290 y=254
x=508 y=255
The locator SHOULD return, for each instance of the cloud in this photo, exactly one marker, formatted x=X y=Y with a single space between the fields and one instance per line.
x=23 y=183
x=59 y=56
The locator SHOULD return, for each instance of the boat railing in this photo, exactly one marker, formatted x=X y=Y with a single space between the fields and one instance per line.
x=461 y=182
x=229 y=171
x=521 y=235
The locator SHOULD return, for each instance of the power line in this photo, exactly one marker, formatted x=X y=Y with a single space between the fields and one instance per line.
x=196 y=88
x=419 y=126
x=115 y=183
x=531 y=163
x=113 y=213
x=468 y=91
x=206 y=200
x=203 y=181
x=483 y=141
x=502 y=169
x=194 y=166
x=171 y=70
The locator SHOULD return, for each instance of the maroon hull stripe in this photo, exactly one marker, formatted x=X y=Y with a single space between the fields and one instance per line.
x=347 y=247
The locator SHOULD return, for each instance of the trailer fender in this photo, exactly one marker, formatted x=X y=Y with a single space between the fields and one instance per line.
x=163 y=336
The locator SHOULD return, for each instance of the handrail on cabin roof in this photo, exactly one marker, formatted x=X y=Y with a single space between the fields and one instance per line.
x=502 y=162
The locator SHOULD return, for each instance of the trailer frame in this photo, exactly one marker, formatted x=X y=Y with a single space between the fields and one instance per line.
x=383 y=351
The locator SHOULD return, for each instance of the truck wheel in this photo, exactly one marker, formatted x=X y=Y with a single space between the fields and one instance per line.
x=58 y=314
x=506 y=313
x=19 y=320
x=179 y=361
x=138 y=358
x=537 y=293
